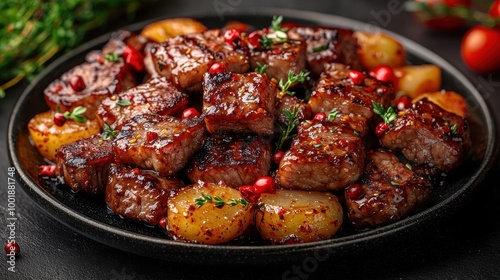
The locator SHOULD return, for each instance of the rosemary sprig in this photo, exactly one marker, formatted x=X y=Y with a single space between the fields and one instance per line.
x=286 y=132
x=76 y=114
x=292 y=78
x=387 y=115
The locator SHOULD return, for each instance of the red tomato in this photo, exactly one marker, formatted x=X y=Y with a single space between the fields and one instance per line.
x=445 y=23
x=479 y=49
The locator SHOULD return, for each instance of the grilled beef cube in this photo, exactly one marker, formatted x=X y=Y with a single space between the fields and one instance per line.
x=281 y=58
x=387 y=192
x=234 y=159
x=92 y=83
x=432 y=139
x=323 y=156
x=84 y=164
x=335 y=90
x=162 y=143
x=356 y=122
x=327 y=45
x=291 y=103
x=184 y=59
x=121 y=38
x=239 y=103
x=156 y=96
x=139 y=195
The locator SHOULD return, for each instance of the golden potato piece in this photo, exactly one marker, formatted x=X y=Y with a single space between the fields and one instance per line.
x=379 y=49
x=290 y=216
x=48 y=137
x=414 y=80
x=160 y=31
x=448 y=100
x=208 y=223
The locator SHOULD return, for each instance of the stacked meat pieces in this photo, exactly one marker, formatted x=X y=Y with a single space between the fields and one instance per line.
x=146 y=150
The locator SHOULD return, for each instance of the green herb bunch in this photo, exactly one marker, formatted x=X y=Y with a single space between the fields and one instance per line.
x=32 y=32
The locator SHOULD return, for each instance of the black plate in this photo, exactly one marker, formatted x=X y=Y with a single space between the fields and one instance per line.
x=90 y=216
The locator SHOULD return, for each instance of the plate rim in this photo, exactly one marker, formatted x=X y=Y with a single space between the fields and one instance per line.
x=99 y=231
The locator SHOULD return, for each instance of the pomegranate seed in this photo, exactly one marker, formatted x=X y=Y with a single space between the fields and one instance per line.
x=264 y=184
x=100 y=59
x=383 y=73
x=277 y=51
x=77 y=83
x=59 y=119
x=12 y=248
x=248 y=193
x=133 y=58
x=342 y=143
x=278 y=156
x=356 y=77
x=381 y=128
x=136 y=171
x=58 y=88
x=231 y=36
x=403 y=102
x=355 y=192
x=319 y=117
x=151 y=136
x=190 y=113
x=217 y=68
x=48 y=170
x=254 y=39
x=163 y=222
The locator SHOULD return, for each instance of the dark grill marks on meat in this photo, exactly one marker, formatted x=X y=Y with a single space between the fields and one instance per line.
x=162 y=143
x=241 y=103
x=84 y=164
x=139 y=194
x=234 y=159
x=156 y=96
x=327 y=45
x=391 y=192
x=184 y=59
x=281 y=58
x=323 y=156
x=290 y=103
x=101 y=80
x=432 y=139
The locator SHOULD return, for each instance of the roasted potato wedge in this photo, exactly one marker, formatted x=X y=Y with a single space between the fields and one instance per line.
x=160 y=31
x=48 y=137
x=448 y=100
x=290 y=216
x=414 y=80
x=207 y=223
x=379 y=49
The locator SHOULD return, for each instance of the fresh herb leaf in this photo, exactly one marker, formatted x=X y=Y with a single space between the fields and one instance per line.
x=387 y=115
x=321 y=47
x=123 y=102
x=292 y=78
x=409 y=166
x=286 y=132
x=317 y=145
x=200 y=201
x=454 y=128
x=108 y=132
x=160 y=65
x=356 y=132
x=261 y=68
x=333 y=114
x=276 y=24
x=394 y=183
x=266 y=42
x=112 y=57
x=76 y=114
x=219 y=202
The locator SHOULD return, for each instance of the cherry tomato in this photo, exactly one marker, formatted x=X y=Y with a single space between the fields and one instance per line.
x=479 y=49
x=190 y=113
x=444 y=23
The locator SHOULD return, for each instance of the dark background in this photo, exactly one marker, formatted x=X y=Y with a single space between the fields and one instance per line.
x=464 y=246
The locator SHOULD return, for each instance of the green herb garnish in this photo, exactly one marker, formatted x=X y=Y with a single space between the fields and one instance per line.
x=321 y=48
x=219 y=201
x=112 y=57
x=261 y=68
x=286 y=132
x=108 y=132
x=292 y=78
x=76 y=114
x=387 y=115
x=123 y=102
x=333 y=114
x=454 y=128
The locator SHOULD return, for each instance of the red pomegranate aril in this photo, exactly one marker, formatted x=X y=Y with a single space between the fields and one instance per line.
x=403 y=102
x=277 y=51
x=264 y=184
x=48 y=170
x=77 y=83
x=356 y=77
x=231 y=36
x=217 y=68
x=151 y=136
x=254 y=39
x=133 y=58
x=58 y=88
x=190 y=113
x=59 y=119
x=278 y=156
x=343 y=143
x=381 y=128
x=248 y=193
x=163 y=223
x=355 y=192
x=319 y=117
x=12 y=248
x=136 y=171
x=383 y=73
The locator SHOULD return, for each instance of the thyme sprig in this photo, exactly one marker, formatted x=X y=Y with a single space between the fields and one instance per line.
x=279 y=35
x=292 y=78
x=286 y=131
x=108 y=132
x=261 y=69
x=387 y=115
x=218 y=201
x=76 y=114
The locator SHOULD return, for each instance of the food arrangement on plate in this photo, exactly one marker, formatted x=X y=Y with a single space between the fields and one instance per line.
x=281 y=134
